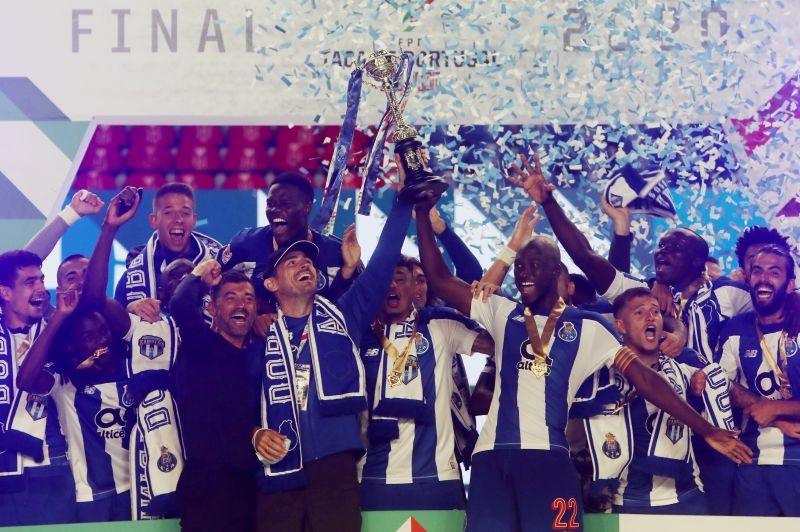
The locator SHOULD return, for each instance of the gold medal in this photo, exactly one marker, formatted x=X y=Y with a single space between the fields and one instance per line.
x=541 y=367
x=394 y=379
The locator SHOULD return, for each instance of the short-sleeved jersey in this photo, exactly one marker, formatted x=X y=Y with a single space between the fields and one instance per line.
x=250 y=248
x=745 y=363
x=704 y=314
x=96 y=419
x=424 y=450
x=530 y=412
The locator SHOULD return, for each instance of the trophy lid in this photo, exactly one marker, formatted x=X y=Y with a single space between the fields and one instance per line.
x=381 y=65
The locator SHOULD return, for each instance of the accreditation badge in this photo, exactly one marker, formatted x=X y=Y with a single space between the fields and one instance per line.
x=302 y=378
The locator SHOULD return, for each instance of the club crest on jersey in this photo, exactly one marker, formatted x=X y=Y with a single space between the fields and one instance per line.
x=791 y=347
x=167 y=461
x=751 y=353
x=567 y=332
x=422 y=344
x=411 y=370
x=151 y=346
x=36 y=406
x=674 y=429
x=226 y=254
x=611 y=447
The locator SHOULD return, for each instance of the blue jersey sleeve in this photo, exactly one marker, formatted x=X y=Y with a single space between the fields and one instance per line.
x=363 y=299
x=468 y=269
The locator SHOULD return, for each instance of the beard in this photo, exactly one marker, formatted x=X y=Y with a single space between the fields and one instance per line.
x=773 y=305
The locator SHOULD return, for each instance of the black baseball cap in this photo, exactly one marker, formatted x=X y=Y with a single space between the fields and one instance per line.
x=308 y=248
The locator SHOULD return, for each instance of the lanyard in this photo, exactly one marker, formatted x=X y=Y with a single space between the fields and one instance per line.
x=541 y=356
x=398 y=359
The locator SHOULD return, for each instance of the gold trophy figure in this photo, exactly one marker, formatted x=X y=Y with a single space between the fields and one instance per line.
x=382 y=66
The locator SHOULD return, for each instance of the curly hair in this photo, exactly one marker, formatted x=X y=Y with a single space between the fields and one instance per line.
x=758 y=235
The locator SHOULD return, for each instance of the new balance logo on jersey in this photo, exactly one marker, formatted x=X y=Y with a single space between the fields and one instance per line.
x=36 y=406
x=151 y=347
x=750 y=353
x=520 y=318
x=372 y=352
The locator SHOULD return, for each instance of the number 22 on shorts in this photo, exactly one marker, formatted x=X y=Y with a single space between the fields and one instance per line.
x=562 y=507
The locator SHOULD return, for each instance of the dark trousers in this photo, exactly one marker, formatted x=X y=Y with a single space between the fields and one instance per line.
x=215 y=498
x=329 y=503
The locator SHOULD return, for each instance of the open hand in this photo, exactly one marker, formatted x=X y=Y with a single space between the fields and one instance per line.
x=726 y=442
x=531 y=179
x=523 y=231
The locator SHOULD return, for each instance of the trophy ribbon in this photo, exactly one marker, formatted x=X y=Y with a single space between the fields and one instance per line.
x=333 y=185
x=375 y=156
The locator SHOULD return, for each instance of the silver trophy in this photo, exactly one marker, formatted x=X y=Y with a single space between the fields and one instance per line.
x=382 y=66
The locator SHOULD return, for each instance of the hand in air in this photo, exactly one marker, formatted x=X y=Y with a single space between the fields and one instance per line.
x=531 y=179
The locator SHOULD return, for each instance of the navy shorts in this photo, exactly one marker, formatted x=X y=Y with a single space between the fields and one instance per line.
x=421 y=495
x=47 y=497
x=523 y=490
x=767 y=490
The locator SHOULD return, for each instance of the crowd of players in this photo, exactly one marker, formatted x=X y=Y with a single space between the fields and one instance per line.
x=276 y=383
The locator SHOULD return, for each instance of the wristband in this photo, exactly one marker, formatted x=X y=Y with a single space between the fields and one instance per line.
x=69 y=215
x=507 y=255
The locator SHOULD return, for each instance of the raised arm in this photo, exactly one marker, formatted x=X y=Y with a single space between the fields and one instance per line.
x=620 y=252
x=83 y=203
x=453 y=290
x=94 y=289
x=186 y=307
x=365 y=296
x=597 y=269
x=32 y=375
x=523 y=231
x=468 y=269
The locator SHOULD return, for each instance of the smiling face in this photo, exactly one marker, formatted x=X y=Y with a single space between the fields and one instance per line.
x=234 y=310
x=678 y=259
x=287 y=212
x=23 y=303
x=400 y=298
x=641 y=324
x=295 y=275
x=536 y=271
x=90 y=346
x=770 y=282
x=174 y=219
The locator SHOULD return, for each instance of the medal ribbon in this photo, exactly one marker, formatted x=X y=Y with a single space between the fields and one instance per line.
x=780 y=367
x=398 y=359
x=538 y=343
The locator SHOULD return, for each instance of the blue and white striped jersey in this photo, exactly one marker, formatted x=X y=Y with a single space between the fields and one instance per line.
x=638 y=486
x=704 y=313
x=745 y=363
x=529 y=412
x=425 y=448
x=96 y=423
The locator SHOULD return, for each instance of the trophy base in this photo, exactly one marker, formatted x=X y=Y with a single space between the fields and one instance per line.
x=418 y=190
x=419 y=179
